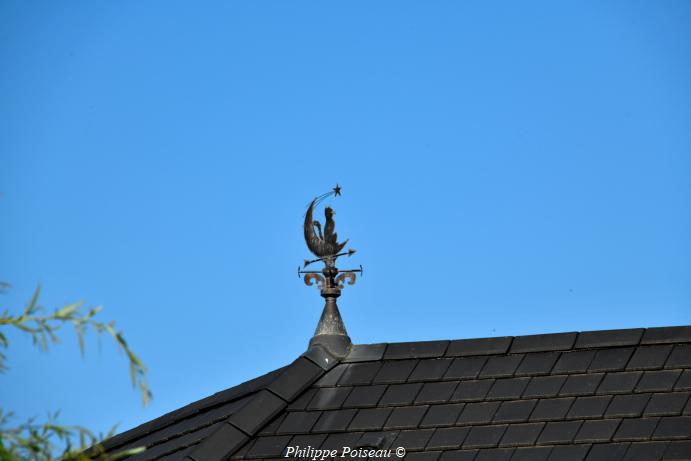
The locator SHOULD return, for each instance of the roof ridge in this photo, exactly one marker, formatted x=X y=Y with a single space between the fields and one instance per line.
x=540 y=342
x=219 y=398
x=262 y=408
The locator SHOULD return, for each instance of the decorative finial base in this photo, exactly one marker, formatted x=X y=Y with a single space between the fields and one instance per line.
x=331 y=332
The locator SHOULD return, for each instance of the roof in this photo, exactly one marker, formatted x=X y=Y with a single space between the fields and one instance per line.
x=598 y=395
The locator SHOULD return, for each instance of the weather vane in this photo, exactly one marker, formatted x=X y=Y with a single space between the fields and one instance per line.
x=325 y=246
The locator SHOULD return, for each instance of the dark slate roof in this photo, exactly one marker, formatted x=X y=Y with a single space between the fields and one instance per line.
x=617 y=395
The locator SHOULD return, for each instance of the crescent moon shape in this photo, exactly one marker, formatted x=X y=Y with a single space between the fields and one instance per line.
x=311 y=238
x=317 y=246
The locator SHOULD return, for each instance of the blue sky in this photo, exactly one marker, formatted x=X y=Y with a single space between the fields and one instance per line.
x=507 y=169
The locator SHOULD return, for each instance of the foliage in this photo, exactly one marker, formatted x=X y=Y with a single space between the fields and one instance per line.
x=49 y=440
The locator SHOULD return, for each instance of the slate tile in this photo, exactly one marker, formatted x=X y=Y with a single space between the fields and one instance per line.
x=377 y=440
x=680 y=357
x=478 y=413
x=365 y=353
x=183 y=454
x=269 y=446
x=573 y=362
x=423 y=456
x=627 y=406
x=611 y=359
x=677 y=451
x=479 y=346
x=308 y=440
x=224 y=441
x=270 y=429
x=172 y=449
x=189 y=430
x=406 y=417
x=332 y=376
x=569 y=453
x=364 y=396
x=636 y=429
x=301 y=402
x=581 y=384
x=369 y=419
x=447 y=437
x=332 y=421
x=257 y=412
x=484 y=436
x=465 y=368
x=649 y=357
x=239 y=454
x=609 y=338
x=436 y=392
x=544 y=342
x=359 y=373
x=472 y=390
x=538 y=363
x=329 y=398
x=442 y=415
x=499 y=366
x=619 y=383
x=494 y=454
x=684 y=381
x=458 y=455
x=600 y=430
x=395 y=371
x=430 y=369
x=607 y=452
x=531 y=454
x=687 y=409
x=551 y=409
x=321 y=357
x=645 y=451
x=666 y=404
x=298 y=421
x=413 y=440
x=514 y=411
x=589 y=407
x=416 y=350
x=667 y=335
x=657 y=381
x=559 y=432
x=521 y=434
x=400 y=394
x=339 y=440
x=508 y=388
x=295 y=378
x=544 y=386
x=677 y=427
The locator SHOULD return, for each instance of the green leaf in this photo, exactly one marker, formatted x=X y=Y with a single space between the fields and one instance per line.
x=68 y=310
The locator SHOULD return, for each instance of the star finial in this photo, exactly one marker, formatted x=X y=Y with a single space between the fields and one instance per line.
x=337 y=190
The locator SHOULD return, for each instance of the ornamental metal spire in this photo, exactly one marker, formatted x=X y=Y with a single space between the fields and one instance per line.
x=330 y=332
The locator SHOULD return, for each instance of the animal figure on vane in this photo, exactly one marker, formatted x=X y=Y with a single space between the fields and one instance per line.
x=322 y=245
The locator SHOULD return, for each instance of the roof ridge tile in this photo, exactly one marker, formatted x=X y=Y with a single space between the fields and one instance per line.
x=416 y=349
x=365 y=352
x=543 y=342
x=268 y=402
x=609 y=338
x=217 y=399
x=667 y=335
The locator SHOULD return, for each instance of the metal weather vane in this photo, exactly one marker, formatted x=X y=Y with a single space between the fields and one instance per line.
x=323 y=243
x=326 y=247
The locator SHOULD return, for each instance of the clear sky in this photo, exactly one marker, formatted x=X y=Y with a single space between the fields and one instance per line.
x=507 y=169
